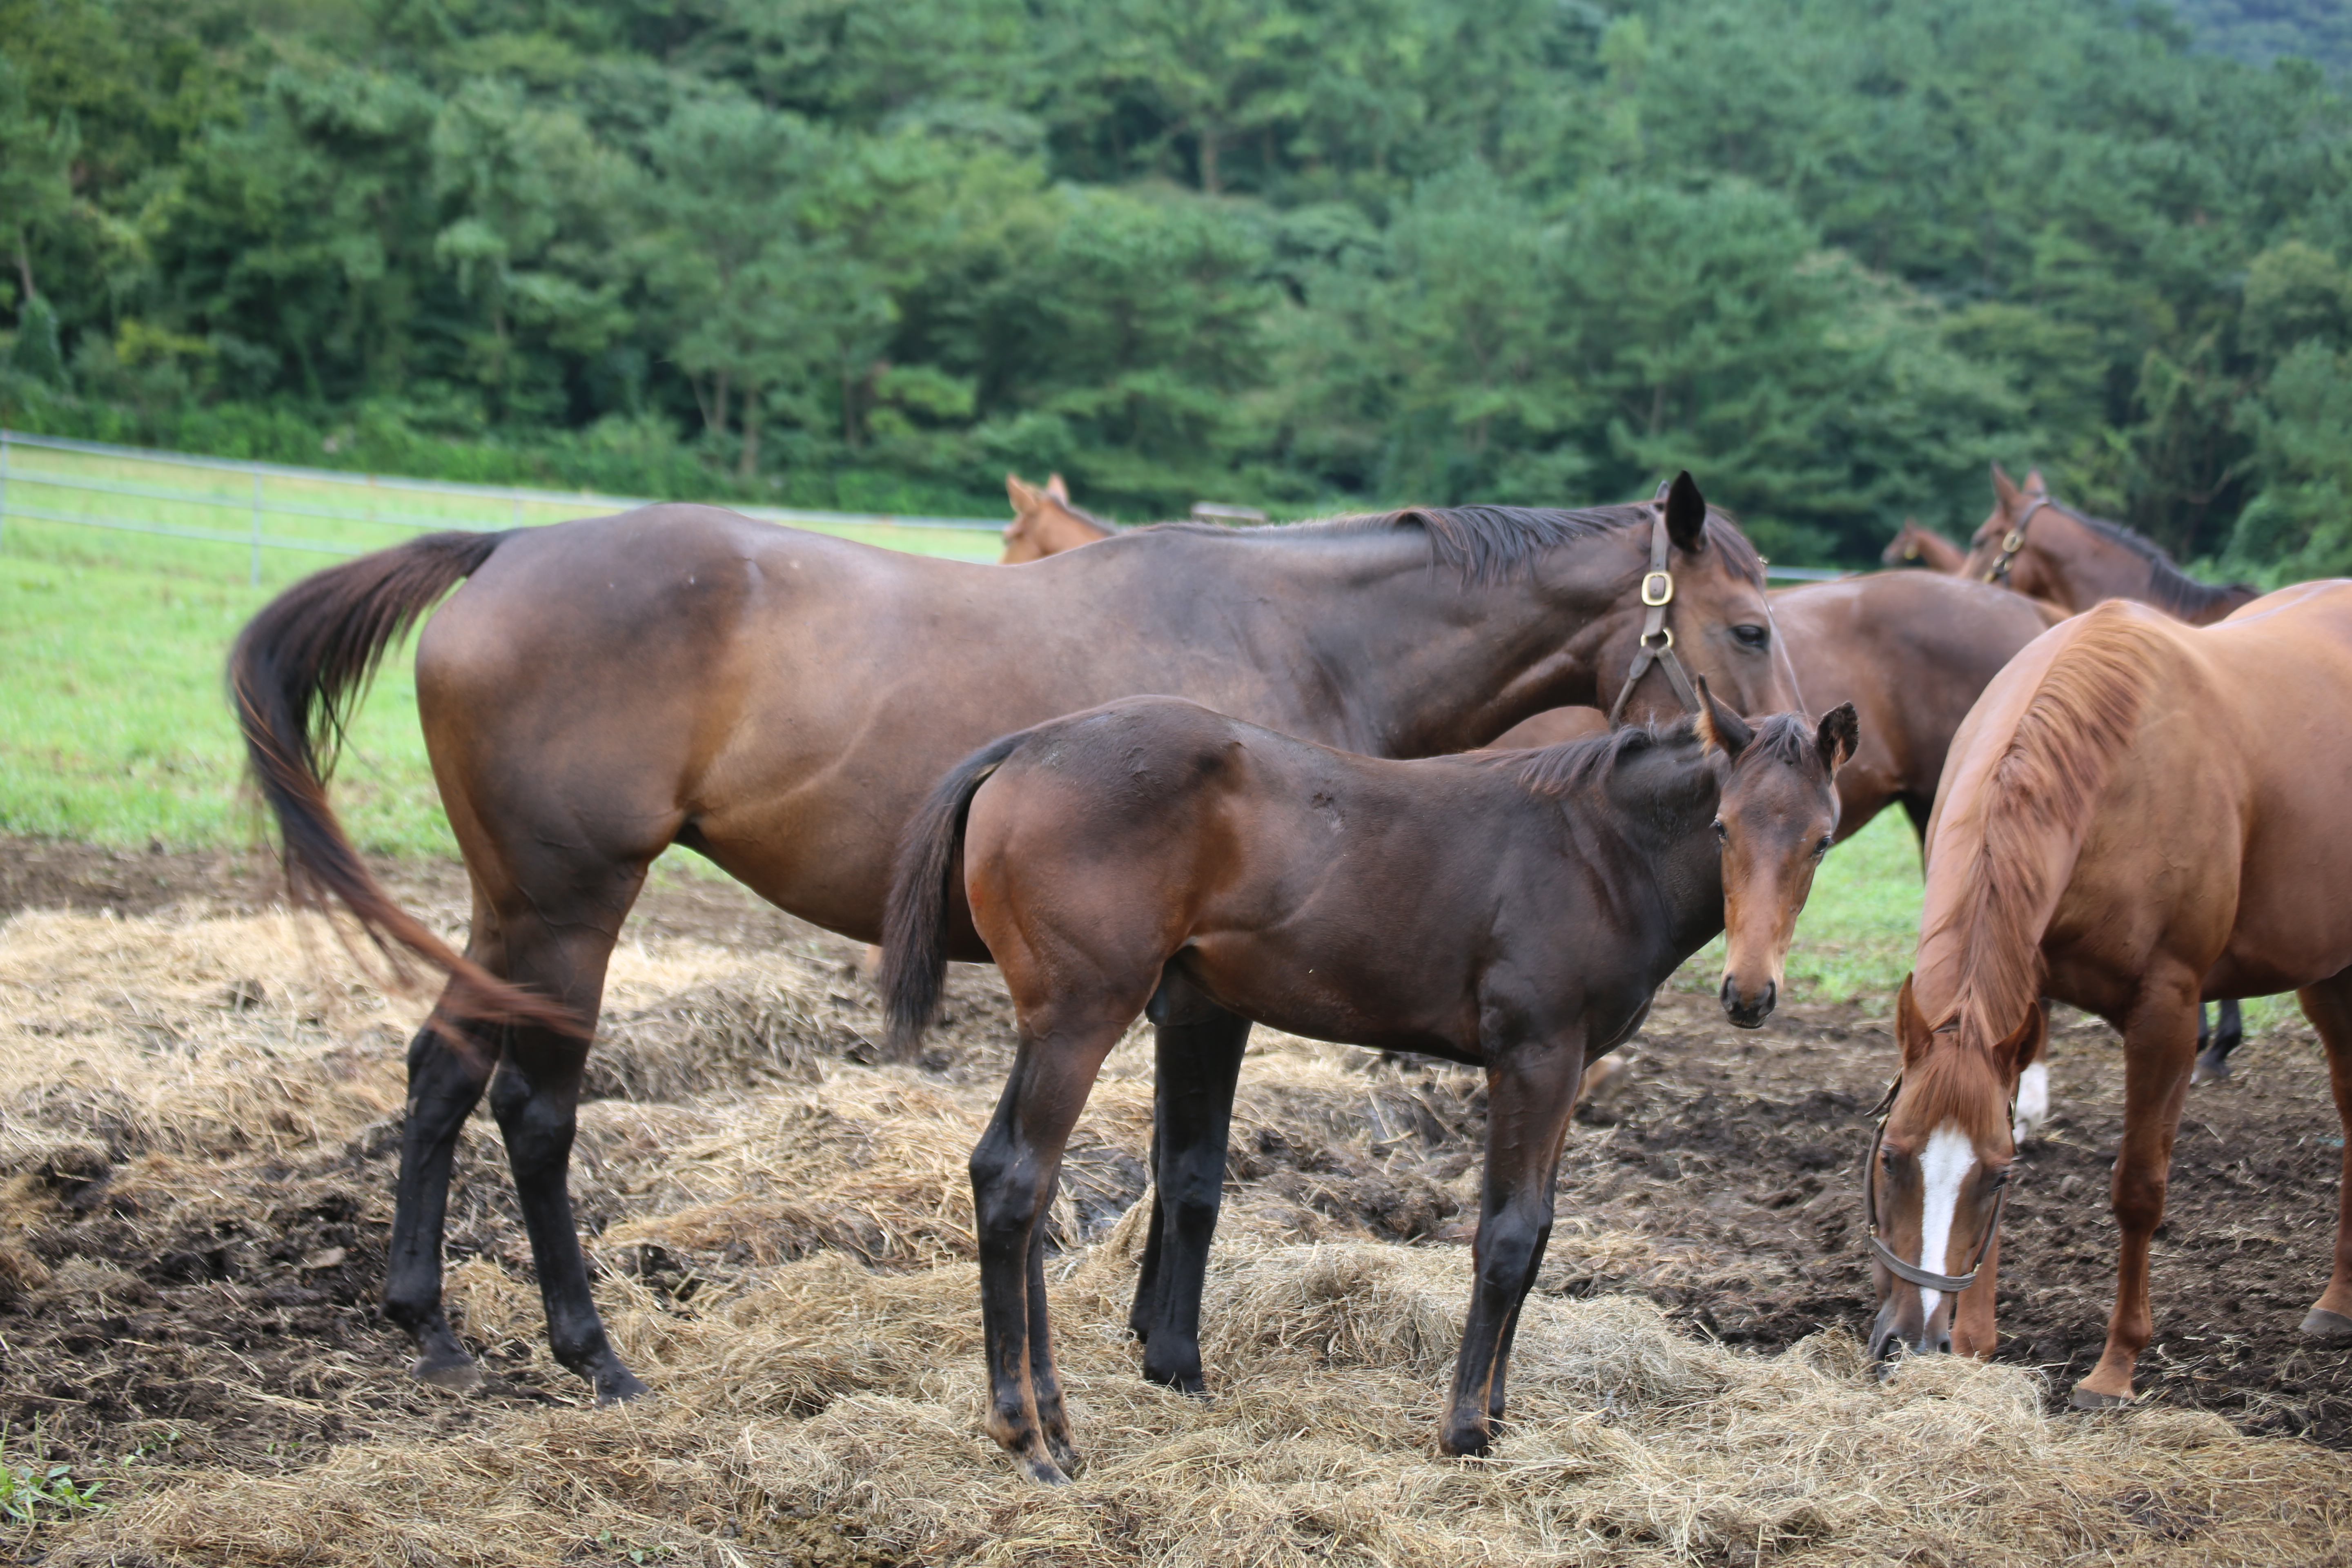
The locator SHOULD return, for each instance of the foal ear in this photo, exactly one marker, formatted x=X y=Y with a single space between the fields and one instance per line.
x=2004 y=490
x=1719 y=729
x=1686 y=514
x=1838 y=737
x=1056 y=489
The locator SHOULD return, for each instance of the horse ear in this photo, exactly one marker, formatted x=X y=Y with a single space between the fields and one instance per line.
x=1719 y=729
x=1910 y=1023
x=1023 y=496
x=1056 y=489
x=1838 y=737
x=1686 y=514
x=2023 y=1046
x=2033 y=483
x=2004 y=490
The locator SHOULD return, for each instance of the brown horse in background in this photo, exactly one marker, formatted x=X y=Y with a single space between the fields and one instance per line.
x=2137 y=814
x=1911 y=650
x=1044 y=522
x=782 y=702
x=1916 y=546
x=1512 y=911
x=2046 y=551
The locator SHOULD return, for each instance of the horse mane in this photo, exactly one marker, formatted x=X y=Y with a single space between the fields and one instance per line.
x=1489 y=545
x=1553 y=772
x=2036 y=804
x=2169 y=587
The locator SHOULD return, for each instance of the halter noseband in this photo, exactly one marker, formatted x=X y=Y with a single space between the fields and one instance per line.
x=2014 y=541
x=1951 y=1284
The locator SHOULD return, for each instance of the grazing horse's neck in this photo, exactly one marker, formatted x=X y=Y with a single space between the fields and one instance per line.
x=1421 y=662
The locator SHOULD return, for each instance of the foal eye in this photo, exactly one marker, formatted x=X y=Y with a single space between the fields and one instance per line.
x=1722 y=834
x=1750 y=634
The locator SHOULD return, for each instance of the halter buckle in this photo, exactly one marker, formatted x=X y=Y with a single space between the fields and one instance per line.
x=2014 y=542
x=1664 y=594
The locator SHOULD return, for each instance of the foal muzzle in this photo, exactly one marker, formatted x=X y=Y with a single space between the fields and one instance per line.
x=1748 y=1012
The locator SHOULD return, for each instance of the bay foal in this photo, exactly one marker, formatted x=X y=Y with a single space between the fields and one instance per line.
x=1511 y=911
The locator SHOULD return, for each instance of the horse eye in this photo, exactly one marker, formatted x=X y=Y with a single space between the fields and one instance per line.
x=1886 y=1158
x=1823 y=846
x=1751 y=635
x=1722 y=833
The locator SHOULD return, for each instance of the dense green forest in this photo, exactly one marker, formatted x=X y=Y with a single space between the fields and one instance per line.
x=1832 y=255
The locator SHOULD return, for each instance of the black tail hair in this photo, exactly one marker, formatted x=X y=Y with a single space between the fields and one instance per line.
x=293 y=675
x=915 y=921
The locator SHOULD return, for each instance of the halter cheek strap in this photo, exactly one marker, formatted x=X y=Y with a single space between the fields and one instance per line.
x=1892 y=1261
x=1657 y=644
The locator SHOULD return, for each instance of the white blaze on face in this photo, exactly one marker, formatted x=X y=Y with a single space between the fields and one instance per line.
x=2032 y=1100
x=1943 y=1166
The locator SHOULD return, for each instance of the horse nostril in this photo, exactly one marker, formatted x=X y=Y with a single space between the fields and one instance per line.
x=1730 y=995
x=1772 y=995
x=1944 y=1345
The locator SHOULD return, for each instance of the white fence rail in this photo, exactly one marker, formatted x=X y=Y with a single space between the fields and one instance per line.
x=39 y=472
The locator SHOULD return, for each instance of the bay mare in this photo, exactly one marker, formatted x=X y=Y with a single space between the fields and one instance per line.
x=1911 y=650
x=1916 y=546
x=1514 y=911
x=780 y=703
x=1045 y=521
x=2137 y=812
x=2044 y=549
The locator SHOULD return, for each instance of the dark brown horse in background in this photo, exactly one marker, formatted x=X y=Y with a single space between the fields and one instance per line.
x=1916 y=546
x=1512 y=911
x=782 y=702
x=2046 y=551
x=1045 y=521
x=2137 y=814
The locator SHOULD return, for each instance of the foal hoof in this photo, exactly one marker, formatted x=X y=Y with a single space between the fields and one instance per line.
x=619 y=1386
x=2333 y=1328
x=459 y=1375
x=2092 y=1399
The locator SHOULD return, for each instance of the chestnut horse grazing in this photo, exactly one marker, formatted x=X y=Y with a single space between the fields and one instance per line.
x=1916 y=546
x=1511 y=911
x=782 y=702
x=2137 y=814
x=2046 y=551
x=1044 y=522
x=1911 y=650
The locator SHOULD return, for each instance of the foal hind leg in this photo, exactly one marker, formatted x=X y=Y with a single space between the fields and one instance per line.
x=448 y=1067
x=2328 y=1005
x=1198 y=1059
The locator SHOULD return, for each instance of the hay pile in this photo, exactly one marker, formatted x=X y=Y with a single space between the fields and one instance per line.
x=786 y=1244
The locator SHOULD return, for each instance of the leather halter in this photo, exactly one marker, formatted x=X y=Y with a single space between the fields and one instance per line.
x=2015 y=539
x=1656 y=643
x=1951 y=1284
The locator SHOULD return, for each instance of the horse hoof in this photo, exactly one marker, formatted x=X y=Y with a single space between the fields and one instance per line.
x=619 y=1386
x=2092 y=1399
x=2334 y=1328
x=2209 y=1069
x=459 y=1377
x=1045 y=1472
x=1063 y=1454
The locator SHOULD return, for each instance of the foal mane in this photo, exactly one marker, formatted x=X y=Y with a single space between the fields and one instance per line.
x=2033 y=809
x=1556 y=770
x=1490 y=544
x=2169 y=587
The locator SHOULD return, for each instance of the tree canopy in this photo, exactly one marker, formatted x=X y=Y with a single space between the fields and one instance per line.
x=1835 y=256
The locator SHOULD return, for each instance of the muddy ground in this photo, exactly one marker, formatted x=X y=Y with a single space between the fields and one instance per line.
x=238 y=1325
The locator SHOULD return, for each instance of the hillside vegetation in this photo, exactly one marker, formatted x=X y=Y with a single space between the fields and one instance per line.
x=1833 y=255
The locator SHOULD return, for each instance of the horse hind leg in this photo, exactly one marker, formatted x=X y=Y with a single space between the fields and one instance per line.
x=2216 y=1041
x=2328 y=1005
x=448 y=1067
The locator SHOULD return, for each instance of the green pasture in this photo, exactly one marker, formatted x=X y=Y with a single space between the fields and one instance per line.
x=113 y=731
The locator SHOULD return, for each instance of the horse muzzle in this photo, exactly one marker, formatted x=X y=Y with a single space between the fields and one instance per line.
x=1748 y=1012
x=1891 y=1339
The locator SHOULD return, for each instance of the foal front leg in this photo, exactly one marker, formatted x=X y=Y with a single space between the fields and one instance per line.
x=1530 y=1088
x=2160 y=1048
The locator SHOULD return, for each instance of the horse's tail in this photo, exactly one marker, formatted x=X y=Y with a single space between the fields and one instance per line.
x=915 y=922
x=293 y=675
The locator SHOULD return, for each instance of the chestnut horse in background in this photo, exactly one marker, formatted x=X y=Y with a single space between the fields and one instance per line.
x=782 y=702
x=1916 y=546
x=2046 y=551
x=2137 y=814
x=1512 y=911
x=1044 y=522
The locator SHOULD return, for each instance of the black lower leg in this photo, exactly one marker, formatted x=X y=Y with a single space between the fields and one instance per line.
x=444 y=1083
x=1200 y=1061
x=1044 y=1380
x=536 y=1108
x=2216 y=1040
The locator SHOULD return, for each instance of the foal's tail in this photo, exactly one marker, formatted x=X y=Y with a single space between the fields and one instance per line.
x=293 y=675
x=915 y=922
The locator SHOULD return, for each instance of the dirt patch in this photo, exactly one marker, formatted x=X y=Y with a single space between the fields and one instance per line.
x=198 y=1128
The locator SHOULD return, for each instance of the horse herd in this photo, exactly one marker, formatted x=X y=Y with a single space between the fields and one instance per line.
x=1167 y=774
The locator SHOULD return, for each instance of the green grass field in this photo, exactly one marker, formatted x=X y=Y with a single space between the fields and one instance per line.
x=113 y=729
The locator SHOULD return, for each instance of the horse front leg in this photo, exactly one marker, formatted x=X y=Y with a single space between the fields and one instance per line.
x=1199 y=1049
x=2160 y=1048
x=2328 y=1005
x=1531 y=1089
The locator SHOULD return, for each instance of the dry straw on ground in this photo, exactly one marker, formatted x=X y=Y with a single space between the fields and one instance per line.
x=813 y=1329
